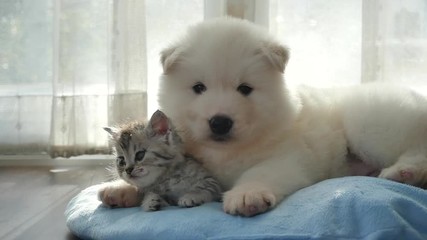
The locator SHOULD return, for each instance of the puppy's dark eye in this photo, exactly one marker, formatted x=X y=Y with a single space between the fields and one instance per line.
x=121 y=161
x=244 y=89
x=139 y=155
x=199 y=88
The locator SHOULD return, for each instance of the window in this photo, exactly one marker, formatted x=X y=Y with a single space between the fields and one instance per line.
x=353 y=41
x=325 y=40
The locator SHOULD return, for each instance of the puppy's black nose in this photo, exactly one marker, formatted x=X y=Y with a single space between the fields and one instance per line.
x=129 y=170
x=220 y=124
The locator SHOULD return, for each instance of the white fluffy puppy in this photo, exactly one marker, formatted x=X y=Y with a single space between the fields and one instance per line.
x=223 y=88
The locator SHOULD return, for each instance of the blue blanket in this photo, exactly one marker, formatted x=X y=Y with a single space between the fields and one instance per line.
x=342 y=208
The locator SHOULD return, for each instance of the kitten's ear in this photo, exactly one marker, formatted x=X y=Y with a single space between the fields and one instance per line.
x=159 y=123
x=112 y=131
x=276 y=54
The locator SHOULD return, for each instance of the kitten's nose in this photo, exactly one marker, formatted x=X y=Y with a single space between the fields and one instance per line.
x=220 y=124
x=129 y=170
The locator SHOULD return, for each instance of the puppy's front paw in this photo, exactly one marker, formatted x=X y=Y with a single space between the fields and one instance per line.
x=113 y=195
x=248 y=202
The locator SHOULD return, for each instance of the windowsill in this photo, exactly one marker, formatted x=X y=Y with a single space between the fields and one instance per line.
x=46 y=160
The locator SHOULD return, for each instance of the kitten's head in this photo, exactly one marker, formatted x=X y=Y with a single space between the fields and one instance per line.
x=145 y=151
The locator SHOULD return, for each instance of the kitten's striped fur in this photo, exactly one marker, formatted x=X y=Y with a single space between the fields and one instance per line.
x=151 y=156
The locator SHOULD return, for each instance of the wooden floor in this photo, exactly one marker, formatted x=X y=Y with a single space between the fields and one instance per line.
x=33 y=199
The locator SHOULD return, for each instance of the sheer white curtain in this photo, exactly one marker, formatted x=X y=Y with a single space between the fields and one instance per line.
x=100 y=76
x=70 y=67
x=25 y=76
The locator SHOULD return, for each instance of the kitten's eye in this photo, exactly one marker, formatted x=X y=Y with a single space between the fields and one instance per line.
x=199 y=88
x=139 y=155
x=244 y=89
x=121 y=161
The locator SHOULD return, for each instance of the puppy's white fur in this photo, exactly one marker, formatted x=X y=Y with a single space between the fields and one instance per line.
x=282 y=139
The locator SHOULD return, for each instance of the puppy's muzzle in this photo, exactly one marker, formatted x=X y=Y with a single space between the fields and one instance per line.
x=220 y=125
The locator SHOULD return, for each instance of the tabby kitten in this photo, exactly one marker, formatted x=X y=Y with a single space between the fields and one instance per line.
x=151 y=157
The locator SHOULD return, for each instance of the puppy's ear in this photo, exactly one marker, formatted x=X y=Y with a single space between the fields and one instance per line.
x=276 y=54
x=169 y=58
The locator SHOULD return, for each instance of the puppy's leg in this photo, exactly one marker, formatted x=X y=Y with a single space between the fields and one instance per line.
x=263 y=186
x=119 y=194
x=410 y=168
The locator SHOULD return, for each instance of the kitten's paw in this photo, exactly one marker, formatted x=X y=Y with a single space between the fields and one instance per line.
x=114 y=195
x=191 y=200
x=248 y=202
x=152 y=202
x=402 y=174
